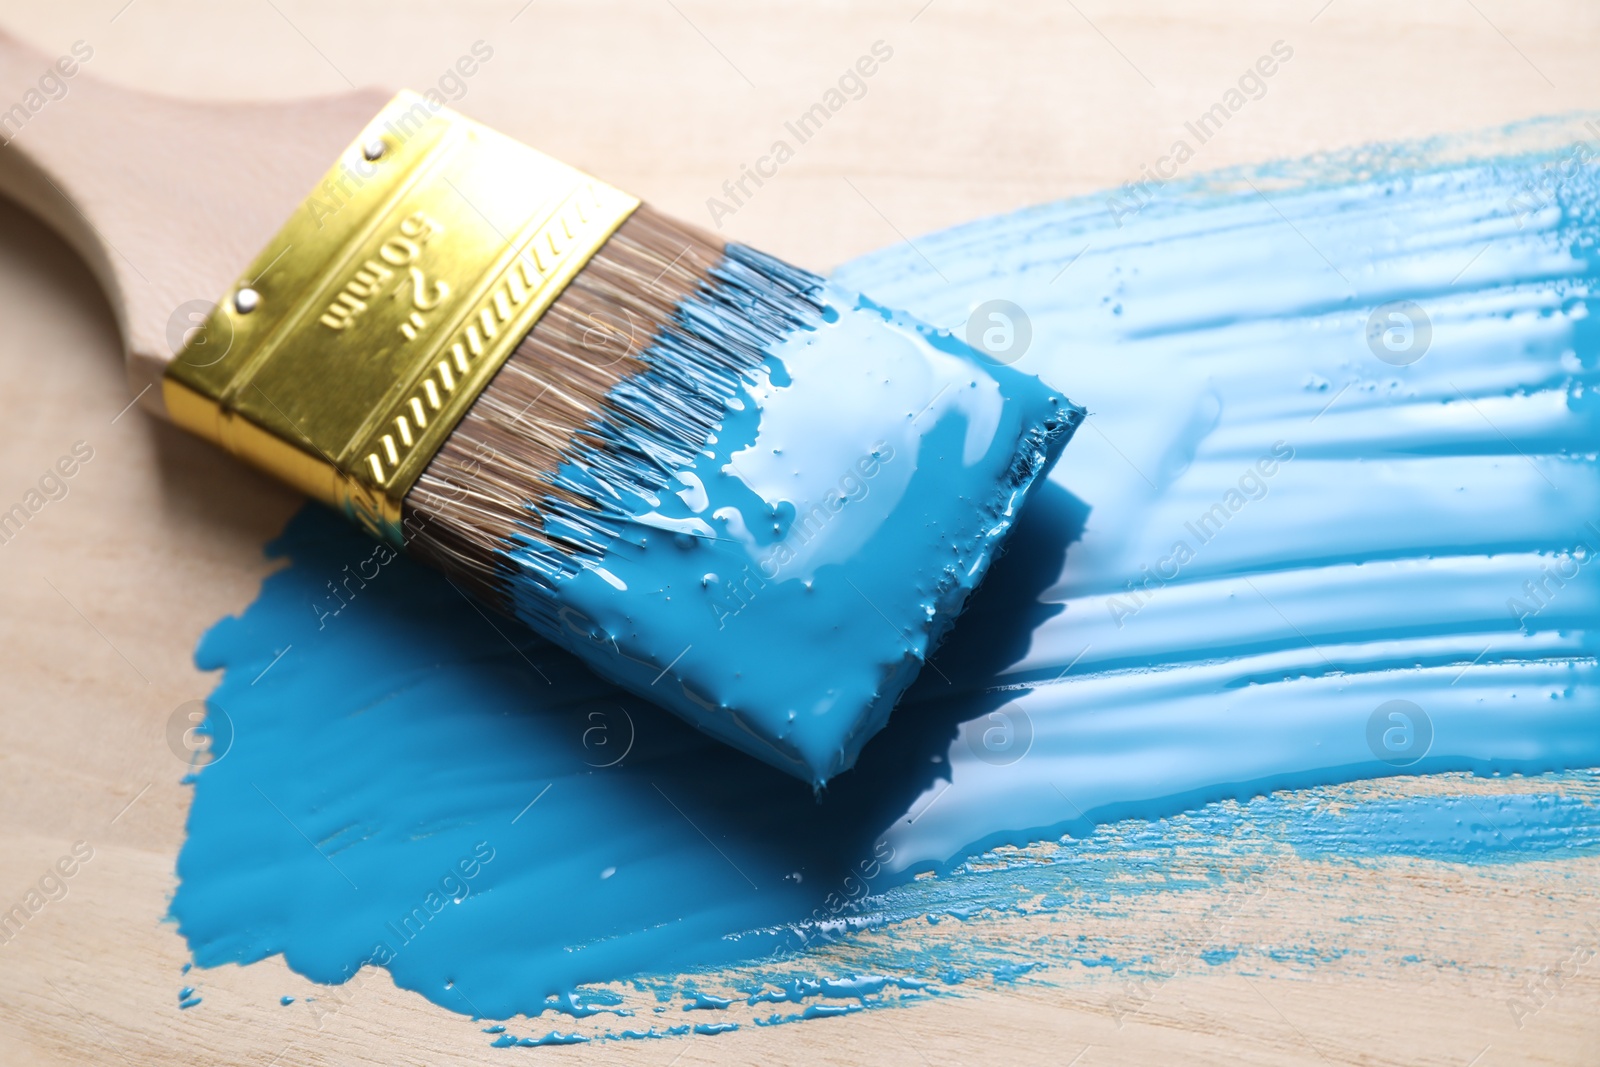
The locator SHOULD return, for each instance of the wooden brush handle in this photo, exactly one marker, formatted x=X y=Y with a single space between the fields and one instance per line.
x=168 y=201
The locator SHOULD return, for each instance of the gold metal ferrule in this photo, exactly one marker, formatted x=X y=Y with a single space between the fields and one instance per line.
x=360 y=336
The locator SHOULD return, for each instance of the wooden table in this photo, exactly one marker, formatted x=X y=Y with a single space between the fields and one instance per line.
x=983 y=108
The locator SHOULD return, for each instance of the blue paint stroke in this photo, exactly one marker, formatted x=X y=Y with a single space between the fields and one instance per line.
x=409 y=788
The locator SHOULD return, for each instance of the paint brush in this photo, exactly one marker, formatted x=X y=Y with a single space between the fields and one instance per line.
x=727 y=485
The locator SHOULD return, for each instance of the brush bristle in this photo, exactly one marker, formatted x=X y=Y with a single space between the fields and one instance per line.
x=621 y=381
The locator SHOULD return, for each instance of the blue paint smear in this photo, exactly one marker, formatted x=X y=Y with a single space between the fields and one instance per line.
x=407 y=787
x=554 y=1037
x=716 y=1028
x=707 y=1002
x=1506 y=828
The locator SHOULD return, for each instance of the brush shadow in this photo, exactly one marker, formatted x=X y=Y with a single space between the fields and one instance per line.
x=775 y=821
x=772 y=824
x=910 y=754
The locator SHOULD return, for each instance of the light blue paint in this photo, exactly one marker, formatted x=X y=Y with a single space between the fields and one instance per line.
x=554 y=1037
x=707 y=1002
x=407 y=738
x=830 y=494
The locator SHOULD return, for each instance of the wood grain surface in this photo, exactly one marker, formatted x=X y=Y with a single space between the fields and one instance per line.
x=983 y=108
